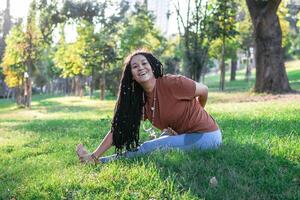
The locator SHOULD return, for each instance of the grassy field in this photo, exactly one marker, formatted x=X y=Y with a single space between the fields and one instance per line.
x=259 y=158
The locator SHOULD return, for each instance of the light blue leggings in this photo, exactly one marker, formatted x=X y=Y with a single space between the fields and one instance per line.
x=210 y=140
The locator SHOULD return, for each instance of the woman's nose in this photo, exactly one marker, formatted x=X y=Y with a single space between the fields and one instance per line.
x=140 y=67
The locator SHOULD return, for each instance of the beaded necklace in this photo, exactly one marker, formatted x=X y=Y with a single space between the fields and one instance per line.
x=151 y=130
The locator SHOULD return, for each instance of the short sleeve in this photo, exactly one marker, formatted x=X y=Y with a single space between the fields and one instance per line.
x=181 y=87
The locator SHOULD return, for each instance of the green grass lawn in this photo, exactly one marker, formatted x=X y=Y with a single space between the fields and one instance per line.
x=259 y=158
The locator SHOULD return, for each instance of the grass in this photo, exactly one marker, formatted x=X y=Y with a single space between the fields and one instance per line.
x=240 y=85
x=259 y=158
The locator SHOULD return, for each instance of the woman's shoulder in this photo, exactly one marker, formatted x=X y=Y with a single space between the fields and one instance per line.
x=179 y=86
x=172 y=78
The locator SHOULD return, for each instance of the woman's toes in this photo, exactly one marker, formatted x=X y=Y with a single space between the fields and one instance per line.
x=81 y=150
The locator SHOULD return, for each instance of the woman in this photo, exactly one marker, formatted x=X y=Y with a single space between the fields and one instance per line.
x=174 y=104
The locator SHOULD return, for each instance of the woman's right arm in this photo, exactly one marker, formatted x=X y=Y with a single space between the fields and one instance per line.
x=105 y=145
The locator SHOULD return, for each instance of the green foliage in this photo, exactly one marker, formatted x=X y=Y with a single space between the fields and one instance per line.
x=86 y=10
x=244 y=27
x=14 y=57
x=231 y=46
x=298 y=17
x=282 y=13
x=49 y=18
x=224 y=17
x=98 y=48
x=33 y=45
x=172 y=55
x=68 y=58
x=196 y=32
x=140 y=32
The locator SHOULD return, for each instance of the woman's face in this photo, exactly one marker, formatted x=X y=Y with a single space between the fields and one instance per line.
x=141 y=69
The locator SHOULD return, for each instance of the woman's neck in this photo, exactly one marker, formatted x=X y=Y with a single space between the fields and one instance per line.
x=149 y=85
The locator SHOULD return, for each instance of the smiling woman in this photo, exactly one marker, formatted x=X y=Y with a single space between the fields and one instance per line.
x=174 y=104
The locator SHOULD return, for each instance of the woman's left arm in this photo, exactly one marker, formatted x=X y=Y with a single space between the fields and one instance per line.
x=201 y=92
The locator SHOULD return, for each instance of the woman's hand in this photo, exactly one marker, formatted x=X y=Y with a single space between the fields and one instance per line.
x=86 y=158
x=202 y=93
x=169 y=131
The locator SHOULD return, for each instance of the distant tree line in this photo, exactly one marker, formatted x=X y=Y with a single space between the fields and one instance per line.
x=32 y=59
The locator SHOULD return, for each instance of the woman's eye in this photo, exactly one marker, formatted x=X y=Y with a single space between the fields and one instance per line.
x=144 y=63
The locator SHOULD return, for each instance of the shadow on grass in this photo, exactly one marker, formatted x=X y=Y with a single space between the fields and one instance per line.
x=243 y=171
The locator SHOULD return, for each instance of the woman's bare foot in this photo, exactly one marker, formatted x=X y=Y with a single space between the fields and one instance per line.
x=81 y=151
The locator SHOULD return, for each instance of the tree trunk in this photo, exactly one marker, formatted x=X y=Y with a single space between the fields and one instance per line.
x=73 y=87
x=233 y=69
x=222 y=76
x=271 y=76
x=19 y=95
x=248 y=67
x=77 y=86
x=27 y=92
x=102 y=86
x=92 y=85
x=81 y=85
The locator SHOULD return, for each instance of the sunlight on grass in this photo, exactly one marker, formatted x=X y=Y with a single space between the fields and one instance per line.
x=42 y=140
x=292 y=65
x=259 y=158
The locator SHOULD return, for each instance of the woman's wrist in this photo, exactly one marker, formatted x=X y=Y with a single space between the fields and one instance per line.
x=94 y=157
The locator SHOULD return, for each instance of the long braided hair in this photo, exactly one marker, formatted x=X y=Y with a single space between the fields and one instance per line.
x=129 y=107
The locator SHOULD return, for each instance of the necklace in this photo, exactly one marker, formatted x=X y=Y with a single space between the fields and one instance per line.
x=151 y=130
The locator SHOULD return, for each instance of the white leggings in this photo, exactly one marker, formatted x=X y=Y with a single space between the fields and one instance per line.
x=209 y=140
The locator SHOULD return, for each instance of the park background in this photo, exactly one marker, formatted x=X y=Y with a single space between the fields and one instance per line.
x=59 y=75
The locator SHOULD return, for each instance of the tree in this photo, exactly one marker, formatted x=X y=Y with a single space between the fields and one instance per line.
x=224 y=16
x=99 y=44
x=68 y=59
x=196 y=31
x=232 y=45
x=245 y=36
x=21 y=56
x=271 y=76
x=49 y=17
x=98 y=53
x=7 y=24
x=140 y=32
x=13 y=62
x=32 y=51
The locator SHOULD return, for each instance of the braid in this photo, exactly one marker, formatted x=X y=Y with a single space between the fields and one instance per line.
x=129 y=106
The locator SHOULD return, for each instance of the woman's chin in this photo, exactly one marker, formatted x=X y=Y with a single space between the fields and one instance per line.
x=143 y=80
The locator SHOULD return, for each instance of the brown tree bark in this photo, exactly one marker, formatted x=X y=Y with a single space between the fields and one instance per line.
x=92 y=84
x=27 y=92
x=233 y=69
x=19 y=95
x=271 y=76
x=73 y=86
x=222 y=68
x=248 y=67
x=102 y=86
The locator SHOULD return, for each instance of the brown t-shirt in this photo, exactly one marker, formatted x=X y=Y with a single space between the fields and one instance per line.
x=176 y=107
